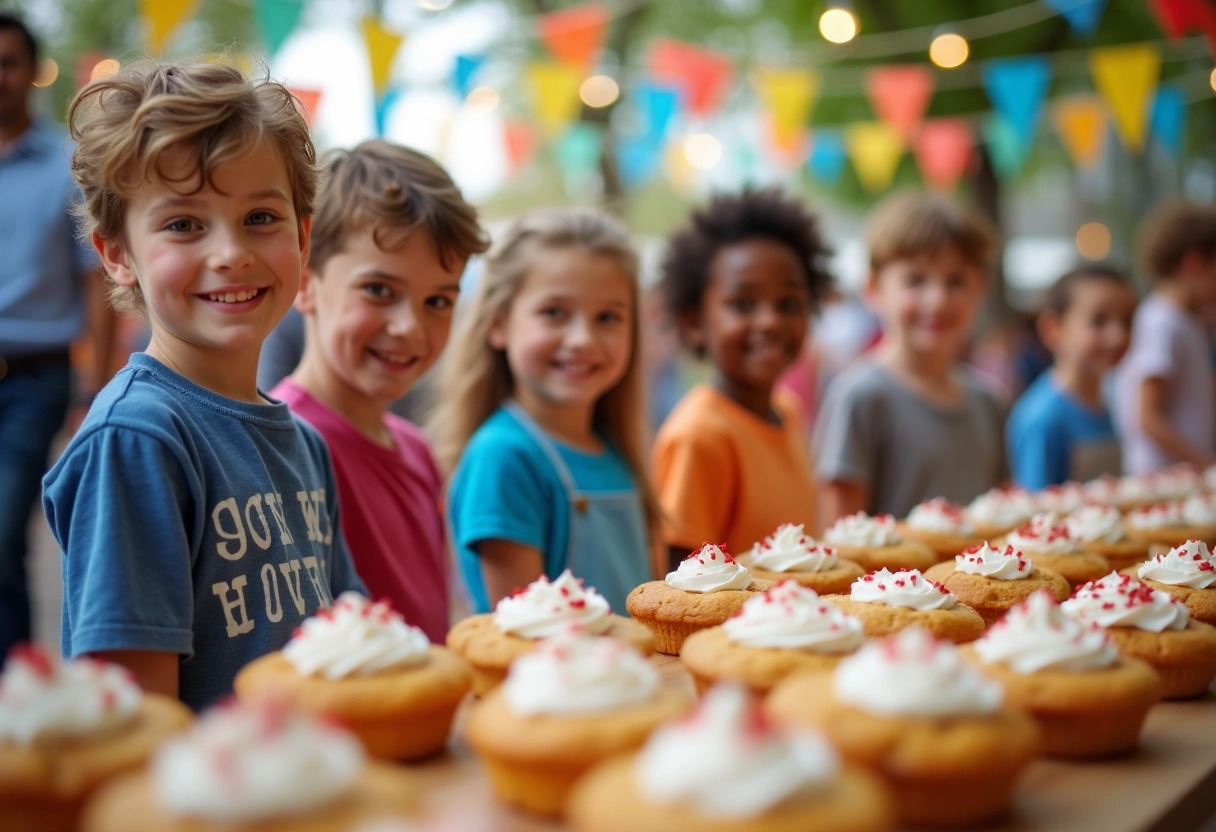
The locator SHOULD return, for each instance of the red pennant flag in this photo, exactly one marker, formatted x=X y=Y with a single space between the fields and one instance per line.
x=308 y=101
x=520 y=141
x=575 y=35
x=701 y=74
x=1181 y=16
x=900 y=95
x=943 y=151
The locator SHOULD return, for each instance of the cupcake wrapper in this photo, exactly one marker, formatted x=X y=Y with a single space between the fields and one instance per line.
x=1084 y=735
x=669 y=635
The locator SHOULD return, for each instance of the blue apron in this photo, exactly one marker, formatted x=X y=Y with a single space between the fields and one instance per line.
x=608 y=546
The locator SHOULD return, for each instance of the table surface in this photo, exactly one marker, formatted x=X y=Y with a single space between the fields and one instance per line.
x=1169 y=785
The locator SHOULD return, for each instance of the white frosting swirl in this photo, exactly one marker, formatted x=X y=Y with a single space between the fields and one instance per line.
x=709 y=570
x=1199 y=510
x=547 y=608
x=43 y=702
x=1045 y=534
x=1190 y=564
x=1176 y=482
x=1096 y=524
x=793 y=616
x=940 y=516
x=1037 y=635
x=1063 y=498
x=1103 y=490
x=1209 y=477
x=355 y=637
x=913 y=674
x=861 y=529
x=1159 y=516
x=245 y=763
x=1001 y=508
x=575 y=673
x=726 y=760
x=1138 y=489
x=789 y=549
x=905 y=588
x=1122 y=601
x=1006 y=564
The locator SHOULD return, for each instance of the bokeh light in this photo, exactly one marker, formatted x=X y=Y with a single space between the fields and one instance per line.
x=702 y=151
x=48 y=72
x=482 y=99
x=599 y=91
x=838 y=25
x=1093 y=241
x=948 y=50
x=104 y=68
x=434 y=5
x=1212 y=79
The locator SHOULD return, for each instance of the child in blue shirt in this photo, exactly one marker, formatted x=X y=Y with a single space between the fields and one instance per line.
x=198 y=521
x=1059 y=429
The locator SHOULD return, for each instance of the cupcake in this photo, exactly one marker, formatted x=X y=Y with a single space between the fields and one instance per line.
x=261 y=768
x=66 y=728
x=874 y=543
x=990 y=580
x=491 y=641
x=1152 y=625
x=1048 y=544
x=788 y=553
x=928 y=723
x=999 y=511
x=886 y=602
x=1064 y=498
x=1188 y=572
x=942 y=526
x=359 y=663
x=787 y=629
x=1088 y=700
x=1100 y=529
x=1171 y=524
x=726 y=768
x=707 y=588
x=565 y=706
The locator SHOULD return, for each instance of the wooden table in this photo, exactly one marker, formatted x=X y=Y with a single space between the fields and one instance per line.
x=1169 y=785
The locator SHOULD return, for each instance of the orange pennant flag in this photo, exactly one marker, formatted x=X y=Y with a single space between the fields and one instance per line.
x=520 y=142
x=575 y=35
x=788 y=96
x=308 y=100
x=900 y=96
x=875 y=148
x=701 y=74
x=943 y=151
x=554 y=90
x=161 y=19
x=1127 y=78
x=1081 y=122
x=382 y=46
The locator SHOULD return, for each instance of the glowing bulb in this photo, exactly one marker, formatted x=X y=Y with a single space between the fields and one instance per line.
x=48 y=71
x=1212 y=79
x=434 y=5
x=702 y=151
x=599 y=91
x=949 y=50
x=1093 y=241
x=838 y=25
x=483 y=99
x=104 y=68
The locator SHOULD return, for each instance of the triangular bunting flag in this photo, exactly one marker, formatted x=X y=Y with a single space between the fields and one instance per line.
x=308 y=99
x=578 y=150
x=1006 y=148
x=575 y=35
x=384 y=105
x=1081 y=122
x=943 y=151
x=382 y=46
x=1127 y=76
x=553 y=87
x=1181 y=16
x=657 y=105
x=1082 y=15
x=701 y=74
x=637 y=159
x=900 y=95
x=276 y=20
x=827 y=158
x=519 y=140
x=788 y=95
x=1017 y=87
x=1169 y=117
x=875 y=148
x=161 y=18
x=462 y=76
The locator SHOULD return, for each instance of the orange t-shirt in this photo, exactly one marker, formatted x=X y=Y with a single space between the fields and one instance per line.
x=724 y=475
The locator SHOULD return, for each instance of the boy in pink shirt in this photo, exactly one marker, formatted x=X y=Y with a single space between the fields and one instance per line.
x=391 y=238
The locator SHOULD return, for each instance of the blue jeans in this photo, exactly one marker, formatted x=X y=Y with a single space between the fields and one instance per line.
x=33 y=404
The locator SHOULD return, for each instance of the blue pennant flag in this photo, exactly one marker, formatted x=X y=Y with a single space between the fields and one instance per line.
x=1168 y=119
x=384 y=104
x=1017 y=87
x=638 y=159
x=657 y=105
x=1082 y=15
x=462 y=77
x=828 y=155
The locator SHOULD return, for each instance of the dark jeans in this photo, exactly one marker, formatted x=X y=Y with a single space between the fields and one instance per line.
x=33 y=404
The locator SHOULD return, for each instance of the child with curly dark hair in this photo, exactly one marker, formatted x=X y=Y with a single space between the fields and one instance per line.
x=740 y=281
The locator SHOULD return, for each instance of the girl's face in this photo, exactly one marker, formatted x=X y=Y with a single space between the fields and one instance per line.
x=568 y=333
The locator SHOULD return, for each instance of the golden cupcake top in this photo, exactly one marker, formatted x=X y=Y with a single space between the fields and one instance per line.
x=906 y=588
x=1120 y=600
x=1191 y=564
x=794 y=617
x=709 y=569
x=791 y=549
x=355 y=637
x=1037 y=635
x=546 y=608
x=862 y=529
x=1002 y=563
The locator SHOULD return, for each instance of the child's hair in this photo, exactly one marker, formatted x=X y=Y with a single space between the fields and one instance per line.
x=393 y=191
x=124 y=123
x=764 y=213
x=913 y=223
x=1173 y=231
x=1060 y=296
x=477 y=378
x=12 y=23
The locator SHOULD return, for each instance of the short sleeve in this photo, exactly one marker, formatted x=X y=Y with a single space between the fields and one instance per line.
x=696 y=478
x=844 y=438
x=121 y=506
x=1154 y=352
x=498 y=494
x=1038 y=451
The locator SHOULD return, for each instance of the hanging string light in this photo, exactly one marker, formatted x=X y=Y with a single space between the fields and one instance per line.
x=949 y=50
x=838 y=24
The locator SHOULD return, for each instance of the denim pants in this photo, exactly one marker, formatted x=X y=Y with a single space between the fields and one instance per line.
x=33 y=404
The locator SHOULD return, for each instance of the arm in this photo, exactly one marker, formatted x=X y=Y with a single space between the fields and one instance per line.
x=507 y=566
x=1156 y=424
x=841 y=498
x=154 y=670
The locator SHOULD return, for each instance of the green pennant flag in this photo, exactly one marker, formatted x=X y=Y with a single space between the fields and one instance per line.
x=276 y=20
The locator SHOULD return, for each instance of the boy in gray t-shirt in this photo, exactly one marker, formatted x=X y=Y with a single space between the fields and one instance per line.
x=910 y=422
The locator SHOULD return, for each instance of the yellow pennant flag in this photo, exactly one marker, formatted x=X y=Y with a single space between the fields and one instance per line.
x=161 y=18
x=382 y=46
x=553 y=86
x=1127 y=78
x=788 y=95
x=875 y=148
x=1081 y=122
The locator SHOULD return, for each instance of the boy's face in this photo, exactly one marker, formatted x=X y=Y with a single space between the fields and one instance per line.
x=1199 y=276
x=380 y=318
x=928 y=303
x=217 y=269
x=753 y=316
x=17 y=73
x=1095 y=330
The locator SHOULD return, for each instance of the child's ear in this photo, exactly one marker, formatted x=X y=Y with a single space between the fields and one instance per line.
x=114 y=259
x=692 y=331
x=869 y=289
x=497 y=335
x=1048 y=325
x=305 y=240
x=306 y=298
